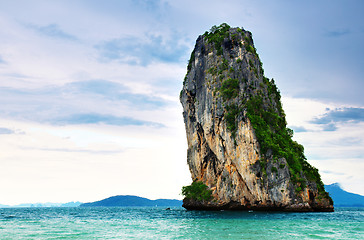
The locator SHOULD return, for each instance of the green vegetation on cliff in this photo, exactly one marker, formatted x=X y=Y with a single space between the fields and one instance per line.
x=229 y=88
x=197 y=191
x=273 y=135
x=217 y=35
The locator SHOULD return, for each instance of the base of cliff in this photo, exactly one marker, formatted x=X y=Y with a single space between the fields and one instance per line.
x=191 y=204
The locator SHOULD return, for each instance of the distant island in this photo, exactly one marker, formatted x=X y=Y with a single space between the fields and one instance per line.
x=343 y=198
x=133 y=201
x=41 y=205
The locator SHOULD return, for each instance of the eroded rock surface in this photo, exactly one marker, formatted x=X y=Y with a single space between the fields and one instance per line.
x=224 y=82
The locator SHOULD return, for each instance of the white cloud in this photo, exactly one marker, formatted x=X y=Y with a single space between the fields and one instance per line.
x=6 y=131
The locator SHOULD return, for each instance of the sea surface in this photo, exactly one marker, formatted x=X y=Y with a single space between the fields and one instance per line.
x=177 y=223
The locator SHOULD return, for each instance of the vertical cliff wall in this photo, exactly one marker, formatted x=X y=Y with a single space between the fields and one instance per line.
x=238 y=143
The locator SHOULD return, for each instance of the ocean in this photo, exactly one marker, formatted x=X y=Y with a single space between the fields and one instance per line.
x=177 y=223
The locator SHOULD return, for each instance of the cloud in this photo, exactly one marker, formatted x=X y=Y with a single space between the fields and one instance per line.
x=329 y=127
x=69 y=150
x=138 y=51
x=101 y=87
x=84 y=102
x=113 y=91
x=298 y=129
x=337 y=33
x=341 y=115
x=150 y=5
x=2 y=61
x=332 y=118
x=95 y=118
x=333 y=173
x=347 y=141
x=6 y=131
x=53 y=30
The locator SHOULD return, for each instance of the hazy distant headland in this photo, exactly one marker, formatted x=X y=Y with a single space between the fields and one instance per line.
x=31 y=205
x=133 y=201
x=341 y=198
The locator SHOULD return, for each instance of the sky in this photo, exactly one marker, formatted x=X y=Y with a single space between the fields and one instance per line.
x=89 y=90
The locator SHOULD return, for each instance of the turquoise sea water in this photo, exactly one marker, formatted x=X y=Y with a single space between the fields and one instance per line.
x=177 y=223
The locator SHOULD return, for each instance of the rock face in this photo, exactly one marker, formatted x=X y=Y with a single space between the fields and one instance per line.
x=238 y=143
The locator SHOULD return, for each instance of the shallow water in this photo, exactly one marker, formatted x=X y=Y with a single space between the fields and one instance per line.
x=177 y=223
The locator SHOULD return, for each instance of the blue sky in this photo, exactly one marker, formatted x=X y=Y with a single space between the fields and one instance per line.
x=90 y=90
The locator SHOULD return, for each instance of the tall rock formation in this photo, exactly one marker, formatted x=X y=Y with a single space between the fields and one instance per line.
x=238 y=142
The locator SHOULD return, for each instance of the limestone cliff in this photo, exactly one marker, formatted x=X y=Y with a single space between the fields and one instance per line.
x=238 y=142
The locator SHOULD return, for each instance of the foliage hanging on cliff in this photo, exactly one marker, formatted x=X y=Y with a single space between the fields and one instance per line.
x=272 y=134
x=197 y=191
x=229 y=88
x=217 y=35
x=231 y=112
